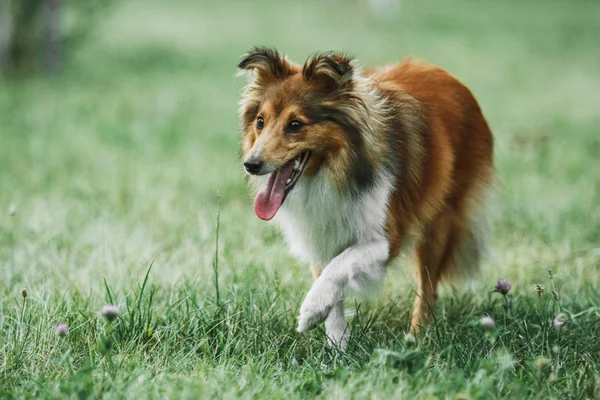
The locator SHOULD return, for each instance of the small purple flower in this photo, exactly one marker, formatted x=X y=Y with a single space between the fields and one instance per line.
x=110 y=312
x=487 y=322
x=61 y=329
x=560 y=320
x=502 y=287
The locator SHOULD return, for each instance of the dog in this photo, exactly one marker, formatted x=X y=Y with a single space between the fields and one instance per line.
x=354 y=166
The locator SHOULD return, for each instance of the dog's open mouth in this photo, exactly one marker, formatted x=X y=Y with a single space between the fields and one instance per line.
x=279 y=184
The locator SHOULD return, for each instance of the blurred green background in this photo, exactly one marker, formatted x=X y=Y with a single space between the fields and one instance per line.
x=116 y=157
x=114 y=147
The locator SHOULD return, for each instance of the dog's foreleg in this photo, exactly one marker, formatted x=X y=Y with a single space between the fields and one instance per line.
x=354 y=267
x=336 y=326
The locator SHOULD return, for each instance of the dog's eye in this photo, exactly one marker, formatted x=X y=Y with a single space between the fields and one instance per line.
x=294 y=126
x=260 y=123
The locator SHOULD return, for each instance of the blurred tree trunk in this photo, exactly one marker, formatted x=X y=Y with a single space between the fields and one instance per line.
x=23 y=49
x=32 y=33
x=6 y=27
x=52 y=35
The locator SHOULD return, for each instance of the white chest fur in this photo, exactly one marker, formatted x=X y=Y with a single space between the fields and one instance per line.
x=319 y=223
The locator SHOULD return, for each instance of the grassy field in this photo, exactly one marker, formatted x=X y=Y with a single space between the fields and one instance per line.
x=112 y=175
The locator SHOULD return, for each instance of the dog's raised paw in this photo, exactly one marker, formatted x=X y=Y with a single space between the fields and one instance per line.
x=308 y=322
x=317 y=304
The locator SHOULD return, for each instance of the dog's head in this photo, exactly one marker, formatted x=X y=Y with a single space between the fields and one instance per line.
x=297 y=120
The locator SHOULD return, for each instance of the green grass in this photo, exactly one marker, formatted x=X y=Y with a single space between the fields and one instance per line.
x=121 y=163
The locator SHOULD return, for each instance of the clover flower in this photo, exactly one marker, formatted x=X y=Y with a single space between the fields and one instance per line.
x=560 y=320
x=502 y=287
x=110 y=312
x=61 y=329
x=409 y=338
x=487 y=322
x=542 y=362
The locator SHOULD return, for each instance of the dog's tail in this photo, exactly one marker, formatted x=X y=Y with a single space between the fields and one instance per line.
x=474 y=246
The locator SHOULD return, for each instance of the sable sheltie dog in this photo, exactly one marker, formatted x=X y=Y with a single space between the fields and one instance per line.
x=351 y=165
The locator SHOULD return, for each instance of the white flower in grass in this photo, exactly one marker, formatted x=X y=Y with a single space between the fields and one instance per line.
x=487 y=322
x=560 y=320
x=409 y=338
x=61 y=329
x=110 y=312
x=12 y=209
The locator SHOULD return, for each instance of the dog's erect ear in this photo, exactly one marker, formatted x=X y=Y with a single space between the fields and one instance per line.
x=332 y=69
x=267 y=63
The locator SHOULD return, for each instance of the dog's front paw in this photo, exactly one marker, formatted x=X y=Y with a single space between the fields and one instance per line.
x=317 y=304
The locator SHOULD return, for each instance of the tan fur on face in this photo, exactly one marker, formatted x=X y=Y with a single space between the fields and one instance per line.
x=276 y=101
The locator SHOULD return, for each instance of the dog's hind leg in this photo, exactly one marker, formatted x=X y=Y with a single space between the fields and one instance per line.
x=452 y=246
x=316 y=269
x=431 y=254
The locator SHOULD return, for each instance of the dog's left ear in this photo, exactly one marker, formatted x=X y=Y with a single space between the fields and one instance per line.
x=335 y=70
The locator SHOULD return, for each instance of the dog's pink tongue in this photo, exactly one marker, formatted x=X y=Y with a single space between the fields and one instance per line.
x=269 y=200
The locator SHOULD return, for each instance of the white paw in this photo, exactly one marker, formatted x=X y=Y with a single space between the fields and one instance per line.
x=317 y=304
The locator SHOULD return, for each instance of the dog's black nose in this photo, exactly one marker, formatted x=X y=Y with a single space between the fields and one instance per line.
x=253 y=165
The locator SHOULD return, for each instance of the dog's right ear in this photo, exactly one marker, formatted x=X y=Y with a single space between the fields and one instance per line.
x=267 y=64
